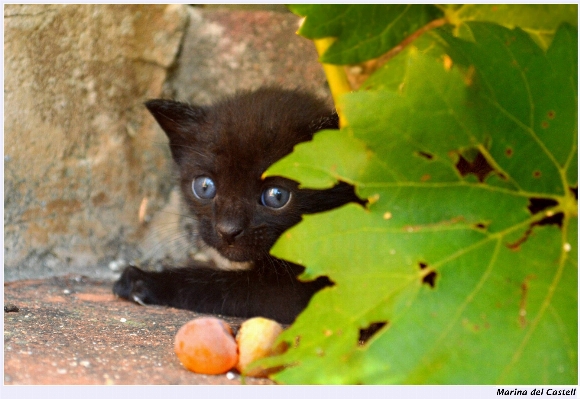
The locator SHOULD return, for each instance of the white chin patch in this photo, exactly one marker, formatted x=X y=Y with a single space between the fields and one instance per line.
x=221 y=263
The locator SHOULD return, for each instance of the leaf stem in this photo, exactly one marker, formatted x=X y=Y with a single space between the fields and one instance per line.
x=335 y=75
x=436 y=23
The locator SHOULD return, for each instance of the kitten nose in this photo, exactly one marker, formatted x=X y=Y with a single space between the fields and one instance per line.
x=228 y=231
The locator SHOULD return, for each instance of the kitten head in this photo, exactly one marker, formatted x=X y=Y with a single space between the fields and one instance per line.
x=222 y=151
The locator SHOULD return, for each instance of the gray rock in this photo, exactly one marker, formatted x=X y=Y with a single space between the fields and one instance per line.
x=80 y=151
x=229 y=50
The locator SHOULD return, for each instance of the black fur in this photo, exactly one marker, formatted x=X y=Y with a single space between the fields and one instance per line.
x=233 y=142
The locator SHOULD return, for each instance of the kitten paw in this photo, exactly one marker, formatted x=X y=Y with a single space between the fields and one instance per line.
x=136 y=285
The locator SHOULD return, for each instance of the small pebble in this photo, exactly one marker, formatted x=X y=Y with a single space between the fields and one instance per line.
x=10 y=308
x=230 y=375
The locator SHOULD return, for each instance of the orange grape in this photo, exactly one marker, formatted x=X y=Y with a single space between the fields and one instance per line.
x=206 y=345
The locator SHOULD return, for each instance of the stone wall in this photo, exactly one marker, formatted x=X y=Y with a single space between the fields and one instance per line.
x=225 y=51
x=87 y=175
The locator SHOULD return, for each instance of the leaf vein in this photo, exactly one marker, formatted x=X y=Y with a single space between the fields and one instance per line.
x=545 y=304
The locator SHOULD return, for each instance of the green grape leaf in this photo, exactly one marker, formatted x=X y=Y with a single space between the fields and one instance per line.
x=469 y=275
x=366 y=32
x=362 y=32
x=350 y=158
x=540 y=21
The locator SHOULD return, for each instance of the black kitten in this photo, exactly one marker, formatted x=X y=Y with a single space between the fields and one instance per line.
x=221 y=152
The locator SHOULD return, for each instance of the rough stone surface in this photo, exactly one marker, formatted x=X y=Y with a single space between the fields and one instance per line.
x=225 y=51
x=72 y=330
x=80 y=153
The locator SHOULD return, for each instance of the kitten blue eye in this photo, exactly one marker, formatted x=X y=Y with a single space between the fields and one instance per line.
x=203 y=187
x=275 y=197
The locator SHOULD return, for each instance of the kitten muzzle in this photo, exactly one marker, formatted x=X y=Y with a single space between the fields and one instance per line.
x=223 y=263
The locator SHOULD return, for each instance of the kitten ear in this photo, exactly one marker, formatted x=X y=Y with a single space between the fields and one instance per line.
x=179 y=121
x=174 y=116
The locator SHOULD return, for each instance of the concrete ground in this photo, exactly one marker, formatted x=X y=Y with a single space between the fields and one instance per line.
x=72 y=330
